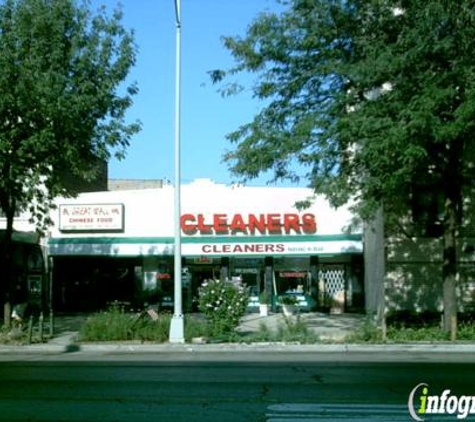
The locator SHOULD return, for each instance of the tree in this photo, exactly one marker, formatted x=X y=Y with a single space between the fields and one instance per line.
x=374 y=98
x=62 y=104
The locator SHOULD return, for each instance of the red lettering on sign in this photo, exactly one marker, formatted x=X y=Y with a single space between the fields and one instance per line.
x=291 y=222
x=188 y=223
x=220 y=224
x=274 y=224
x=238 y=225
x=202 y=227
x=249 y=224
x=257 y=223
x=309 y=224
x=251 y=248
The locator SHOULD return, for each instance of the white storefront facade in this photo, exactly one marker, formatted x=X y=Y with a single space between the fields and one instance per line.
x=118 y=245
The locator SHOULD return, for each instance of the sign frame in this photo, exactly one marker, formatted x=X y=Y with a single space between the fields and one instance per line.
x=92 y=218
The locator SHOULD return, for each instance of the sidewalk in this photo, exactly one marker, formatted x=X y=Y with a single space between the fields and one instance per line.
x=334 y=328
x=330 y=328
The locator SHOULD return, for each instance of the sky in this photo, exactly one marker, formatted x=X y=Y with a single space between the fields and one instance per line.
x=206 y=117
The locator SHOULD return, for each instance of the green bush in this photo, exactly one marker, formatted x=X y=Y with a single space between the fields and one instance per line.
x=146 y=329
x=264 y=298
x=116 y=324
x=295 y=330
x=223 y=304
x=412 y=319
x=288 y=300
x=291 y=330
x=195 y=327
x=409 y=334
x=368 y=332
x=466 y=331
x=113 y=324
x=417 y=329
x=264 y=334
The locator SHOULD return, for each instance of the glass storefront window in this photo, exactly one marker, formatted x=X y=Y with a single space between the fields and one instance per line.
x=249 y=270
x=292 y=282
x=292 y=275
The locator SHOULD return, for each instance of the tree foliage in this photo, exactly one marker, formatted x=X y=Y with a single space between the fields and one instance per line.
x=62 y=102
x=60 y=108
x=374 y=98
x=365 y=94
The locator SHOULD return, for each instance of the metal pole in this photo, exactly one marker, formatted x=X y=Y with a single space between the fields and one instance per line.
x=177 y=322
x=50 y=296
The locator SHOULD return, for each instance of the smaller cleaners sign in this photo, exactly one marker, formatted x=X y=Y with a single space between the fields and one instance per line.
x=248 y=224
x=89 y=218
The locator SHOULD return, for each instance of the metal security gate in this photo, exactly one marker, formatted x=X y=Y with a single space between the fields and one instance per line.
x=333 y=282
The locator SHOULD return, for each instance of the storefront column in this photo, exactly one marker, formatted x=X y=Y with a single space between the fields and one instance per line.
x=355 y=294
x=269 y=277
x=224 y=273
x=314 y=262
x=49 y=293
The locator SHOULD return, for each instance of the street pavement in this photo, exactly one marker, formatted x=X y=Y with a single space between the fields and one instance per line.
x=66 y=381
x=154 y=390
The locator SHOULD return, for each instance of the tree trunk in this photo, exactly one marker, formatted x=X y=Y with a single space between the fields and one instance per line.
x=449 y=268
x=6 y=265
x=375 y=266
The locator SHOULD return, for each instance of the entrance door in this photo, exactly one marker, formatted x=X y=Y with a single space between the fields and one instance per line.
x=333 y=282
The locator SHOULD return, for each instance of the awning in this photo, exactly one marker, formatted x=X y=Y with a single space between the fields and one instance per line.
x=208 y=246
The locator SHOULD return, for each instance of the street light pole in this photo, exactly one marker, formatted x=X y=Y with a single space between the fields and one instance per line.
x=177 y=323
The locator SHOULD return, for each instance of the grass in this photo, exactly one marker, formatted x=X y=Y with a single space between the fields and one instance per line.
x=18 y=337
x=117 y=325
x=368 y=332
x=407 y=327
x=289 y=331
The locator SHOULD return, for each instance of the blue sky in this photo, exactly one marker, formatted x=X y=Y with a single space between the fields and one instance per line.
x=206 y=116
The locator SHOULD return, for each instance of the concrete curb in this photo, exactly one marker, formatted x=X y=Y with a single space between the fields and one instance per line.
x=268 y=348
x=230 y=348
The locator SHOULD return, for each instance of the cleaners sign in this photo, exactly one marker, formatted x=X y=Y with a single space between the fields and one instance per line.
x=248 y=224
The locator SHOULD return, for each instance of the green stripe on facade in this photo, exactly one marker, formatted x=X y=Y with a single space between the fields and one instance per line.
x=203 y=239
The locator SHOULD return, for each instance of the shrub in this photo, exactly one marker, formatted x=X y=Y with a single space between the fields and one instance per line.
x=264 y=298
x=289 y=300
x=295 y=330
x=223 y=305
x=413 y=319
x=368 y=332
x=409 y=334
x=116 y=324
x=264 y=333
x=466 y=331
x=195 y=327
x=146 y=329
x=289 y=331
x=113 y=324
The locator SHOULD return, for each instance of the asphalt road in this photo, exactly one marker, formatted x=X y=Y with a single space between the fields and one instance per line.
x=135 y=389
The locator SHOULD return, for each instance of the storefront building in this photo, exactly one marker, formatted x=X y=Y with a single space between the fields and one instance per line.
x=118 y=245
